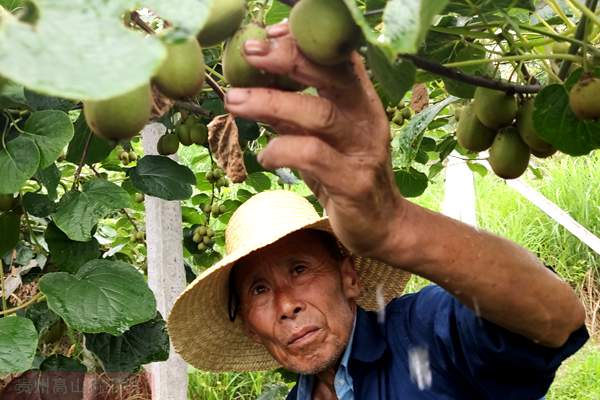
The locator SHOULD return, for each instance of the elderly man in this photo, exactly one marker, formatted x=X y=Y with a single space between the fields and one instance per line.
x=496 y=326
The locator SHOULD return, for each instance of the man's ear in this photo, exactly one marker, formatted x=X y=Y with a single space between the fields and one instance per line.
x=350 y=283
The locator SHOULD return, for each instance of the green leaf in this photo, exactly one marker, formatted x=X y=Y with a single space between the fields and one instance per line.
x=83 y=46
x=18 y=343
x=38 y=205
x=78 y=212
x=9 y=231
x=18 y=162
x=51 y=131
x=163 y=178
x=43 y=318
x=142 y=344
x=189 y=15
x=478 y=168
x=409 y=140
x=58 y=362
x=559 y=126
x=104 y=296
x=40 y=102
x=411 y=183
x=277 y=13
x=98 y=148
x=259 y=181
x=50 y=178
x=70 y=255
x=395 y=78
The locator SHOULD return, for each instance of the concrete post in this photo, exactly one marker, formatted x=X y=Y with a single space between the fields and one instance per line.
x=166 y=275
x=459 y=199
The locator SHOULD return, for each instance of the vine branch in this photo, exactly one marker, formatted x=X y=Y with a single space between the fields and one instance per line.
x=579 y=35
x=192 y=107
x=460 y=76
x=82 y=161
x=215 y=86
x=29 y=302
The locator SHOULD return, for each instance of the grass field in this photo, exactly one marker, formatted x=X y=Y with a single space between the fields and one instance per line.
x=573 y=184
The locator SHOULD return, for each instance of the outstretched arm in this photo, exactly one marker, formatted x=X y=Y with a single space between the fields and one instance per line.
x=339 y=141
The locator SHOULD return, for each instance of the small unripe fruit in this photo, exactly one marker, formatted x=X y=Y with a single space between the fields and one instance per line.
x=210 y=176
x=184 y=136
x=509 y=155
x=201 y=246
x=133 y=156
x=222 y=209
x=124 y=157
x=210 y=232
x=199 y=134
x=197 y=238
x=529 y=133
x=182 y=73
x=139 y=198
x=121 y=117
x=206 y=240
x=471 y=133
x=140 y=236
x=325 y=30
x=215 y=209
x=495 y=109
x=224 y=19
x=201 y=230
x=237 y=71
x=168 y=144
x=222 y=182
x=584 y=98
x=207 y=209
x=561 y=47
x=406 y=113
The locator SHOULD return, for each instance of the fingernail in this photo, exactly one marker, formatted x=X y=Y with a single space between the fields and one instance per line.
x=256 y=48
x=277 y=30
x=237 y=96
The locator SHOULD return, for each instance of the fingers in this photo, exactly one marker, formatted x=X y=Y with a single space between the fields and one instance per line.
x=308 y=154
x=280 y=55
x=310 y=113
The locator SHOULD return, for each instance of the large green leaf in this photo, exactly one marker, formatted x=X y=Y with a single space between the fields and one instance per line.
x=78 y=212
x=277 y=13
x=104 y=296
x=9 y=231
x=411 y=182
x=38 y=205
x=39 y=102
x=18 y=162
x=51 y=131
x=18 y=343
x=67 y=254
x=408 y=141
x=57 y=362
x=98 y=149
x=83 y=46
x=142 y=344
x=189 y=15
x=162 y=177
x=395 y=78
x=556 y=123
x=44 y=319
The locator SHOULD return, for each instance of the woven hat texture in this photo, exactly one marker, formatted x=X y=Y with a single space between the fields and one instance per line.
x=198 y=324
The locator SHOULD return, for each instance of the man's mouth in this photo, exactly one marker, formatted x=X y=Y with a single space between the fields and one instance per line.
x=303 y=336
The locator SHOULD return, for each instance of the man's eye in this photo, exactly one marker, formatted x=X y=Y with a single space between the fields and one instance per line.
x=259 y=289
x=298 y=269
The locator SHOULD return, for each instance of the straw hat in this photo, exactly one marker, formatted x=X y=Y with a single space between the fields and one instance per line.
x=199 y=324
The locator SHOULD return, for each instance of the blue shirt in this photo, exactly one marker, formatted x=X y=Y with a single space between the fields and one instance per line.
x=430 y=346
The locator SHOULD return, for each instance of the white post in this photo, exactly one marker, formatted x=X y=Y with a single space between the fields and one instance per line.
x=459 y=198
x=166 y=275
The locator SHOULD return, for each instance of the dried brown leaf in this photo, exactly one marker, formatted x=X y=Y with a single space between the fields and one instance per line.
x=420 y=98
x=224 y=143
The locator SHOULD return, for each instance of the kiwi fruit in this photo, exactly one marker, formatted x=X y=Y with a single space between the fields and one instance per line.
x=121 y=117
x=182 y=73
x=495 y=109
x=471 y=133
x=7 y=202
x=224 y=19
x=168 y=144
x=584 y=98
x=509 y=155
x=199 y=134
x=184 y=135
x=529 y=133
x=325 y=30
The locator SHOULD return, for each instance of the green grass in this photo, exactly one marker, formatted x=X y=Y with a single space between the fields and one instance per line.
x=579 y=377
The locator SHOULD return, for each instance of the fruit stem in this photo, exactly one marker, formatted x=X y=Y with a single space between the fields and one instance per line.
x=135 y=227
x=38 y=297
x=82 y=161
x=522 y=57
x=135 y=17
x=215 y=86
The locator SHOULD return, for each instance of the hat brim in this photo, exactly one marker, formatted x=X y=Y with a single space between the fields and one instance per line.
x=199 y=325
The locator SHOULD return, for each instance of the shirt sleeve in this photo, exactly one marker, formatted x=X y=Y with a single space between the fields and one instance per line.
x=499 y=363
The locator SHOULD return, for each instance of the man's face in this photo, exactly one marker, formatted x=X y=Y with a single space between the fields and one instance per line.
x=298 y=301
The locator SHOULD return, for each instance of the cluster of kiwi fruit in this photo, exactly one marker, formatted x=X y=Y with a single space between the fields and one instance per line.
x=187 y=132
x=204 y=237
x=217 y=177
x=399 y=114
x=324 y=30
x=127 y=157
x=497 y=121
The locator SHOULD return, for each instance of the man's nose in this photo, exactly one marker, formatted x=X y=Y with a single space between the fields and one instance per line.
x=289 y=306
